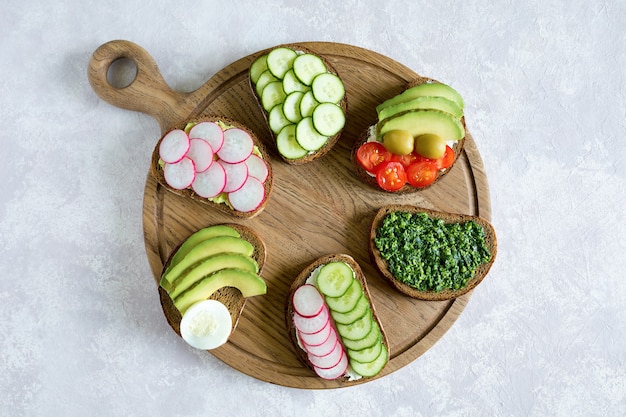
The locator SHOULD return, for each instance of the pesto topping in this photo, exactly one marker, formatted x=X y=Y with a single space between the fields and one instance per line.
x=427 y=253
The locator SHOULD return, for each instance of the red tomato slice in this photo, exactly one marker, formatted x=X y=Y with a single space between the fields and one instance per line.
x=447 y=159
x=391 y=176
x=422 y=173
x=371 y=154
x=405 y=160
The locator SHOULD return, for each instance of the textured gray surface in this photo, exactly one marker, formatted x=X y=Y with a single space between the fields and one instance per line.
x=81 y=331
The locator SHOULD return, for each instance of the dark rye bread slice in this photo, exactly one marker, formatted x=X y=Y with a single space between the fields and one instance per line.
x=364 y=136
x=157 y=170
x=343 y=104
x=382 y=266
x=229 y=296
x=302 y=278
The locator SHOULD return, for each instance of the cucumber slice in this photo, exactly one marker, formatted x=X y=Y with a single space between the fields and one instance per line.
x=257 y=68
x=368 y=354
x=291 y=106
x=357 y=329
x=308 y=66
x=328 y=119
x=335 y=278
x=280 y=60
x=362 y=306
x=308 y=104
x=272 y=95
x=309 y=138
x=374 y=336
x=287 y=144
x=264 y=79
x=369 y=369
x=291 y=83
x=347 y=301
x=328 y=88
x=276 y=119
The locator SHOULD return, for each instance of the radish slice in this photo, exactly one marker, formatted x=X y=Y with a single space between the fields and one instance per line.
x=249 y=197
x=310 y=325
x=201 y=153
x=209 y=131
x=174 y=146
x=326 y=347
x=307 y=301
x=257 y=167
x=180 y=175
x=336 y=371
x=210 y=182
x=237 y=147
x=315 y=339
x=329 y=360
x=236 y=175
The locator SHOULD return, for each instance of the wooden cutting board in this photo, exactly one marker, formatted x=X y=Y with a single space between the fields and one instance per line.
x=314 y=209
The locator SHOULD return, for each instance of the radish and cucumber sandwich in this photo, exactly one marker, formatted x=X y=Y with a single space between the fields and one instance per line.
x=303 y=100
x=332 y=322
x=217 y=161
x=207 y=279
x=418 y=136
x=431 y=255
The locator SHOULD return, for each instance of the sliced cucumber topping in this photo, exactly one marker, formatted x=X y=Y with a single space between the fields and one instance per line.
x=308 y=66
x=328 y=88
x=357 y=329
x=362 y=306
x=335 y=278
x=366 y=355
x=291 y=83
x=328 y=119
x=256 y=69
x=280 y=60
x=264 y=79
x=276 y=119
x=272 y=95
x=348 y=300
x=372 y=368
x=374 y=336
x=287 y=144
x=308 y=104
x=309 y=138
x=291 y=106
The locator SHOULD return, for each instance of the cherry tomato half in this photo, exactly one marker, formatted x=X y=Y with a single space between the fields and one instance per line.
x=371 y=154
x=391 y=176
x=405 y=160
x=422 y=173
x=447 y=159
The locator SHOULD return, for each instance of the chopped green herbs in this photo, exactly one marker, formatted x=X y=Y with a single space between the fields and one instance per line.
x=427 y=253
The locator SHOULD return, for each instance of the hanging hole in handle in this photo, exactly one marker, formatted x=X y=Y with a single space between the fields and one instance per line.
x=122 y=72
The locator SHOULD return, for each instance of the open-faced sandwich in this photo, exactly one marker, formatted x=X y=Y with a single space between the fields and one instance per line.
x=416 y=140
x=217 y=161
x=303 y=100
x=332 y=322
x=431 y=255
x=206 y=280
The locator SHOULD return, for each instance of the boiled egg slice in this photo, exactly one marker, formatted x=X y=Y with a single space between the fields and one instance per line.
x=206 y=325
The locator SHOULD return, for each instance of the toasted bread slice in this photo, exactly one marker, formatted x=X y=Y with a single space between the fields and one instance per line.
x=371 y=130
x=343 y=104
x=157 y=170
x=229 y=296
x=302 y=279
x=382 y=266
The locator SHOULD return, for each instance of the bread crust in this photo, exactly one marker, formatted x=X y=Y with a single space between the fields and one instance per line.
x=343 y=104
x=229 y=296
x=301 y=279
x=157 y=170
x=382 y=266
x=407 y=189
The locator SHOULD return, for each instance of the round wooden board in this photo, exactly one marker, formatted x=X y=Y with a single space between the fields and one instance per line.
x=314 y=209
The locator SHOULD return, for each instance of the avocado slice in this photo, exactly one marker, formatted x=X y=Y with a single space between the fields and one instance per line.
x=421 y=122
x=203 y=250
x=197 y=237
x=424 y=102
x=426 y=89
x=208 y=266
x=249 y=283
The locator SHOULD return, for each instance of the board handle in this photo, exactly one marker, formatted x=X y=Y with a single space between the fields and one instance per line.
x=147 y=92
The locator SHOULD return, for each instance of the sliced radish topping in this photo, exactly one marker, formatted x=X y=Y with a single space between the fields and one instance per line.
x=249 y=196
x=310 y=325
x=210 y=182
x=210 y=132
x=174 y=146
x=318 y=338
x=180 y=175
x=237 y=147
x=307 y=301
x=324 y=348
x=201 y=153
x=336 y=371
x=236 y=175
x=329 y=360
x=257 y=167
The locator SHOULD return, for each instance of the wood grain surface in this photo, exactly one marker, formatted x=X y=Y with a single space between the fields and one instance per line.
x=315 y=209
